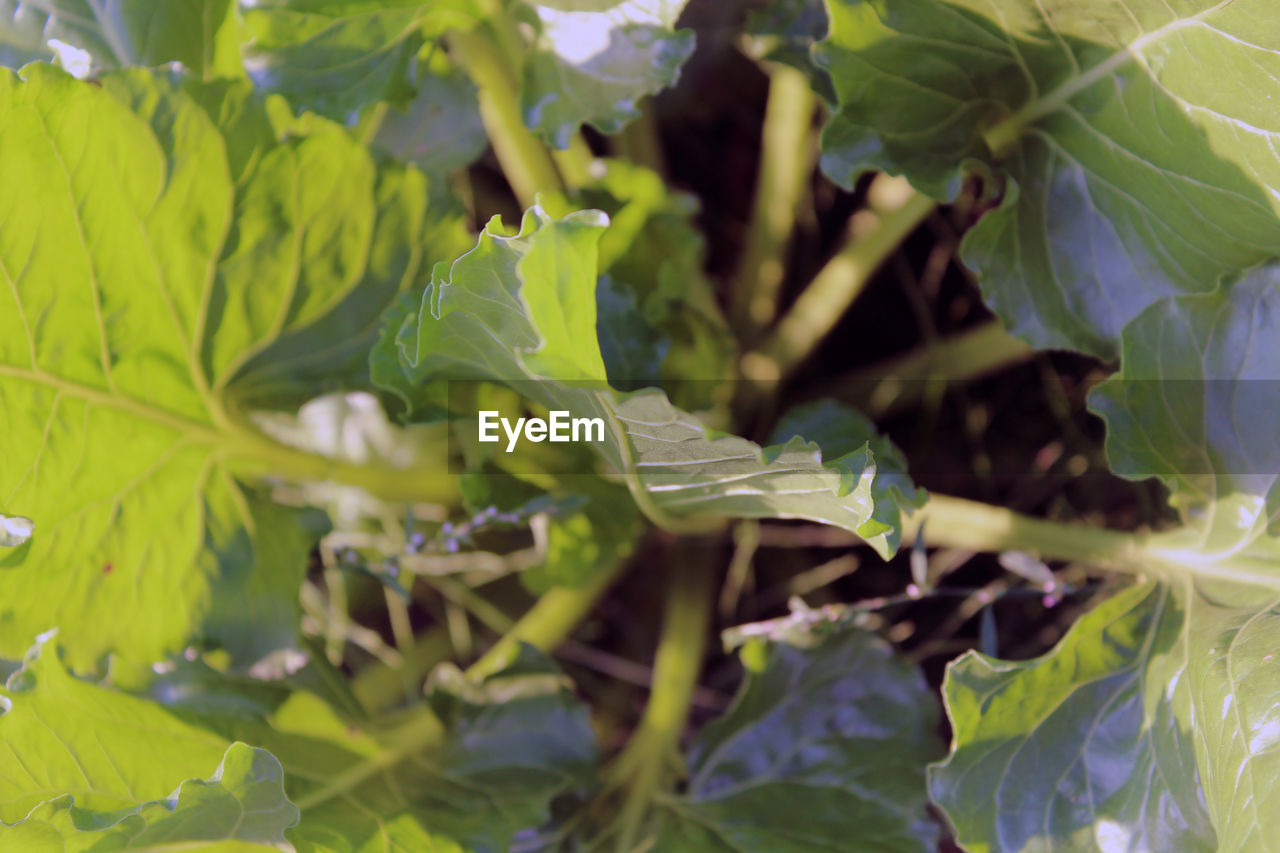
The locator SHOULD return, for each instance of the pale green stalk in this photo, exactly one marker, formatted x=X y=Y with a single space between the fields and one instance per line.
x=551 y=619
x=525 y=160
x=640 y=770
x=838 y=284
x=787 y=153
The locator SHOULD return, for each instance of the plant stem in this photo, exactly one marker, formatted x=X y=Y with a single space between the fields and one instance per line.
x=402 y=633
x=900 y=381
x=575 y=162
x=838 y=284
x=423 y=484
x=640 y=768
x=379 y=686
x=786 y=160
x=958 y=523
x=525 y=160
x=551 y=619
x=640 y=141
x=422 y=732
x=1178 y=553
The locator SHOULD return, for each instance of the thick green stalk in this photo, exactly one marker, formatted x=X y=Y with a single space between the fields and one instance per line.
x=551 y=619
x=423 y=731
x=425 y=484
x=525 y=160
x=900 y=381
x=641 y=769
x=641 y=140
x=787 y=154
x=837 y=285
x=958 y=523
x=575 y=162
x=379 y=686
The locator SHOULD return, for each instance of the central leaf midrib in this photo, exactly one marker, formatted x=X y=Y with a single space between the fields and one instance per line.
x=203 y=431
x=230 y=441
x=1006 y=133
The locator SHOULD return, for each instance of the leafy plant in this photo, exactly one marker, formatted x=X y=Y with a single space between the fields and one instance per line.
x=233 y=235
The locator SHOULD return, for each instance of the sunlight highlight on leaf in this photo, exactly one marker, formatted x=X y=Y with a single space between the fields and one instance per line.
x=14 y=530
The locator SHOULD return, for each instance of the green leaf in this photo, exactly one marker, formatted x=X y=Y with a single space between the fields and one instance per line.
x=169 y=263
x=112 y=751
x=337 y=56
x=465 y=774
x=839 y=430
x=785 y=31
x=824 y=749
x=593 y=60
x=243 y=801
x=1194 y=404
x=581 y=545
x=1095 y=746
x=92 y=36
x=484 y=767
x=657 y=320
x=441 y=129
x=1154 y=723
x=1134 y=143
x=519 y=310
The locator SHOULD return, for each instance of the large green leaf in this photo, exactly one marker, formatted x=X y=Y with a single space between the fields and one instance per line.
x=1154 y=724
x=593 y=60
x=824 y=750
x=117 y=756
x=203 y=35
x=1135 y=141
x=168 y=262
x=520 y=310
x=464 y=775
x=1081 y=749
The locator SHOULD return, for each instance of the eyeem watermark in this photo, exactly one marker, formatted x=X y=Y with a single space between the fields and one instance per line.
x=560 y=427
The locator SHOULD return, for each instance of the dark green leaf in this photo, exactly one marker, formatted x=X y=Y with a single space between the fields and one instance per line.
x=1153 y=725
x=470 y=777
x=824 y=750
x=1089 y=747
x=465 y=776
x=1196 y=403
